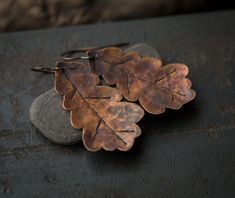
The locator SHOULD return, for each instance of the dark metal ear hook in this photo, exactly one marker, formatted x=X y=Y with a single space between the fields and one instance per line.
x=67 y=56
x=45 y=69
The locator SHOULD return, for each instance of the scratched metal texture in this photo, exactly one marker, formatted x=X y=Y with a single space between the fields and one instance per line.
x=186 y=153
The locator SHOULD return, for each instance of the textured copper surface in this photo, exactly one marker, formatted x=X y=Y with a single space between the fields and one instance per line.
x=98 y=109
x=157 y=87
x=107 y=122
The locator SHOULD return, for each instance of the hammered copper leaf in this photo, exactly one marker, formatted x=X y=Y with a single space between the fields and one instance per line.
x=156 y=87
x=107 y=122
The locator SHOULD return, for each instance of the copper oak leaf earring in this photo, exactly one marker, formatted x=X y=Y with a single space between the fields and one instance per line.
x=107 y=121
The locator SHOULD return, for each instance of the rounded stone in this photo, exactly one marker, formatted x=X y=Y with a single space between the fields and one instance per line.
x=144 y=49
x=49 y=117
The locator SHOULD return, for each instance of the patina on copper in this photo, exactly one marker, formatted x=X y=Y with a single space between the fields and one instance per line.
x=157 y=87
x=107 y=122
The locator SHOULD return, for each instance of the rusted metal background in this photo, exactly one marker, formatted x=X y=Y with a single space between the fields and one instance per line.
x=185 y=153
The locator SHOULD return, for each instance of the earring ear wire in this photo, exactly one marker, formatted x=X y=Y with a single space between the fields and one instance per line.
x=68 y=55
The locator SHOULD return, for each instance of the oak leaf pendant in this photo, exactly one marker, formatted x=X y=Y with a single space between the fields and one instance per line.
x=157 y=87
x=107 y=122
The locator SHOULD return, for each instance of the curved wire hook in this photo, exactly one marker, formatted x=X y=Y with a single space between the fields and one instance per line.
x=45 y=69
x=67 y=56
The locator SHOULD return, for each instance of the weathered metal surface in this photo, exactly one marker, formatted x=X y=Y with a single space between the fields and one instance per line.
x=48 y=116
x=188 y=153
x=143 y=79
x=107 y=122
